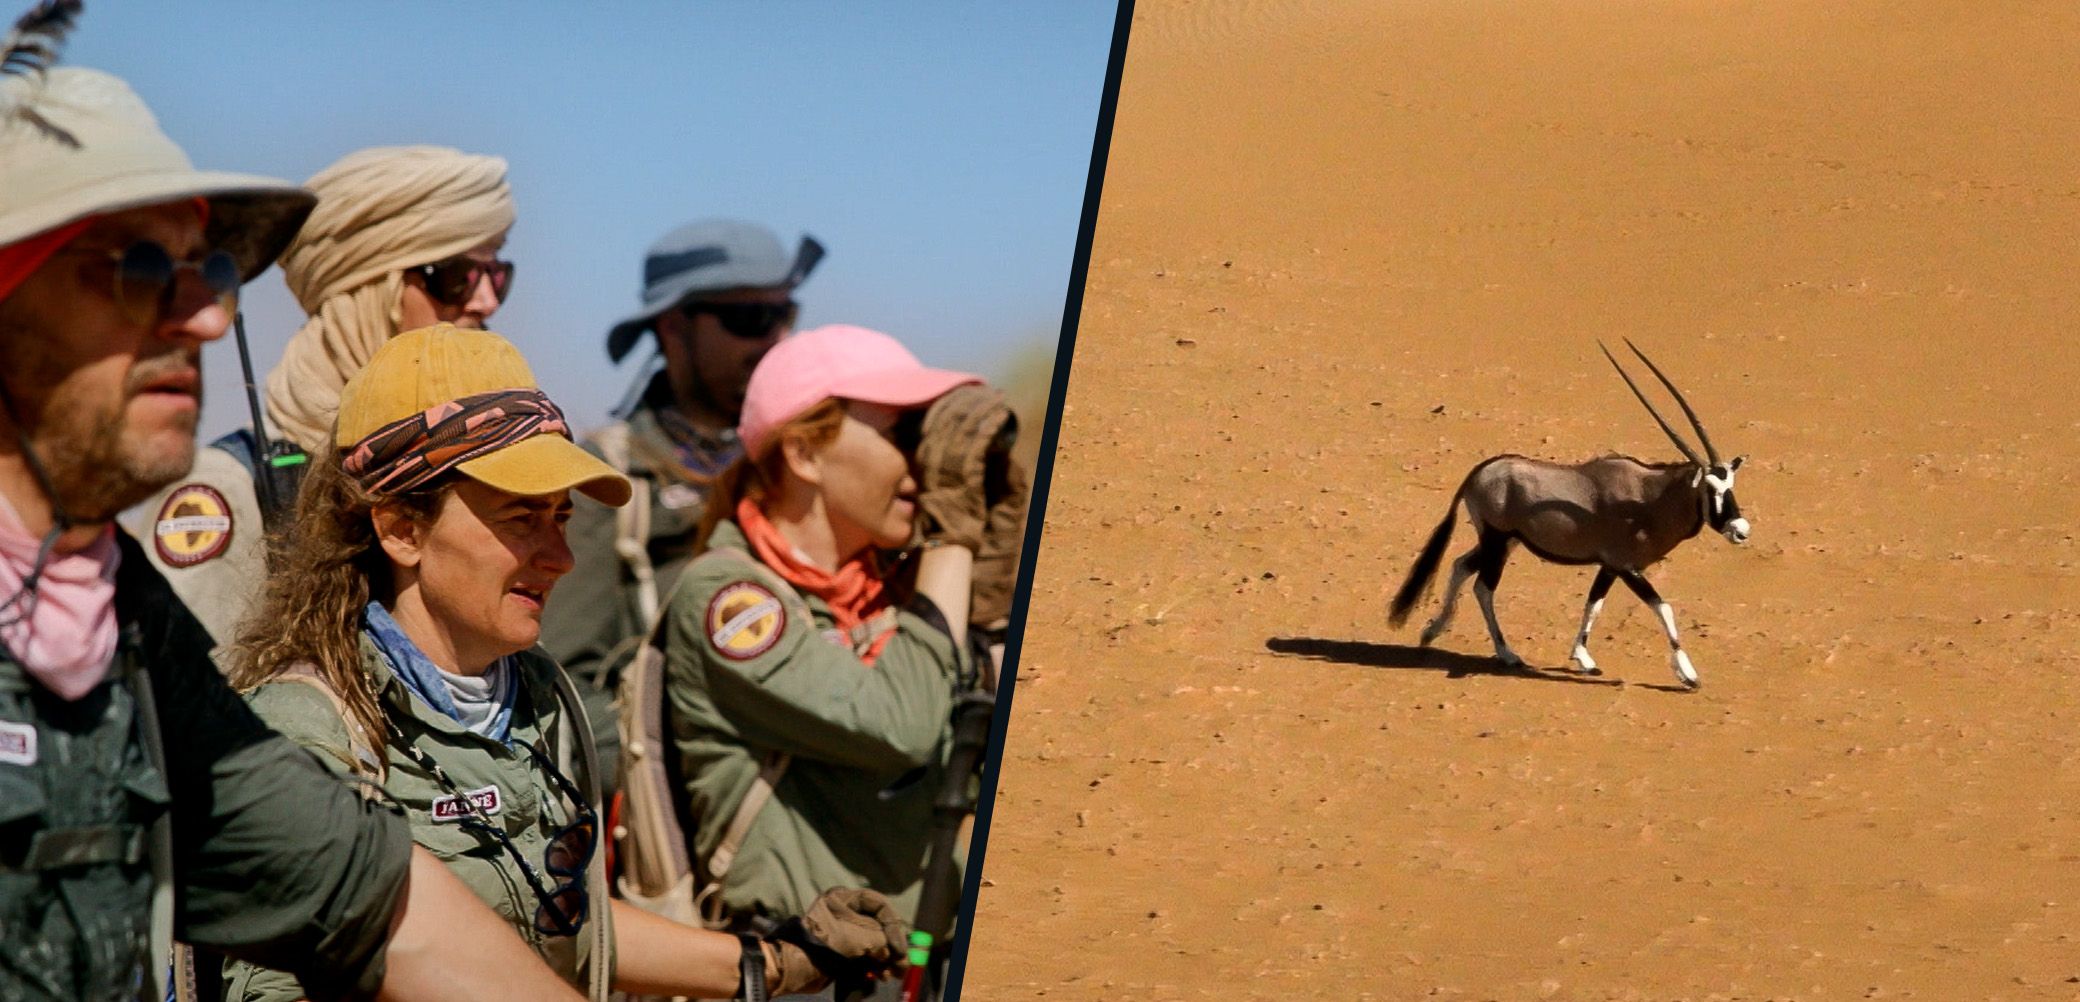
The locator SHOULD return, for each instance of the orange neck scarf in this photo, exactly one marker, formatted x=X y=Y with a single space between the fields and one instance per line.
x=854 y=592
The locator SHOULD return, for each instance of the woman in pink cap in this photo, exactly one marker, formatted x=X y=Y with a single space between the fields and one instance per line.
x=811 y=653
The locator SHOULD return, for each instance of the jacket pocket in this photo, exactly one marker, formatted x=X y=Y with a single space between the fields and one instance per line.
x=22 y=807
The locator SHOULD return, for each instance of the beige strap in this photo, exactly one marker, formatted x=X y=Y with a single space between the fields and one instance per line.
x=654 y=857
x=632 y=523
x=872 y=629
x=365 y=752
x=725 y=854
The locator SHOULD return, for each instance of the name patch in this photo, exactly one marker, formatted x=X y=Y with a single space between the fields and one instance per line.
x=193 y=526
x=17 y=743
x=448 y=809
x=745 y=620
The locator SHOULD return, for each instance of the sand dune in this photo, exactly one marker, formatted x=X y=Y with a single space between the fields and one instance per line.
x=1348 y=250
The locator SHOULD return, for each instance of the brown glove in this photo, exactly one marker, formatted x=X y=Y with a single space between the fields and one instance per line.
x=849 y=934
x=961 y=430
x=1003 y=534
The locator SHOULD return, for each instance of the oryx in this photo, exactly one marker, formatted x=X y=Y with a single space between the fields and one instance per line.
x=1615 y=512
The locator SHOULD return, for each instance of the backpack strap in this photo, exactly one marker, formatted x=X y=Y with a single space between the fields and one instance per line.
x=632 y=523
x=366 y=754
x=180 y=973
x=659 y=871
x=578 y=728
x=656 y=871
x=709 y=901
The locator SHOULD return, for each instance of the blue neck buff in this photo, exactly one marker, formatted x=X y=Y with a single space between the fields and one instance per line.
x=423 y=677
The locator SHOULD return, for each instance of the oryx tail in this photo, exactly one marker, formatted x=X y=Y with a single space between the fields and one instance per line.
x=1425 y=567
x=1433 y=554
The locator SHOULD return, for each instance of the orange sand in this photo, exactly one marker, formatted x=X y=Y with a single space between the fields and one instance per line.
x=1851 y=231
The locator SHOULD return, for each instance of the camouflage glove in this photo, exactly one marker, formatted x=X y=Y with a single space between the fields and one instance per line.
x=1003 y=533
x=961 y=430
x=850 y=935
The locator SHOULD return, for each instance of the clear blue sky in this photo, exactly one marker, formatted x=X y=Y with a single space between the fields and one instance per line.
x=938 y=150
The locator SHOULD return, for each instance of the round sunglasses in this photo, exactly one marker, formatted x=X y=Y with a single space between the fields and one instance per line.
x=146 y=277
x=750 y=321
x=452 y=281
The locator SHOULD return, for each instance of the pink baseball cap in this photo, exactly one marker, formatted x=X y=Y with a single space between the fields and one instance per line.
x=842 y=361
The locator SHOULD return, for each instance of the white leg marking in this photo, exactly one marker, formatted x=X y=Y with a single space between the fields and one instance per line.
x=1462 y=569
x=1684 y=672
x=1581 y=656
x=1502 y=651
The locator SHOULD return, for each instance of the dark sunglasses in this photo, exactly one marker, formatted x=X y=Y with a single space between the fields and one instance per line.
x=452 y=281
x=146 y=276
x=750 y=321
x=562 y=908
x=908 y=431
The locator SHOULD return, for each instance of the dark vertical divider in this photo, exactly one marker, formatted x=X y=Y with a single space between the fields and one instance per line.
x=1043 y=476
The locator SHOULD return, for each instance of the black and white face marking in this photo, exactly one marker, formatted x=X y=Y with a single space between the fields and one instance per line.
x=1721 y=509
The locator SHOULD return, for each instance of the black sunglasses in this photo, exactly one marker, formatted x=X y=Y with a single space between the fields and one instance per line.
x=908 y=431
x=453 y=280
x=750 y=321
x=146 y=276
x=563 y=908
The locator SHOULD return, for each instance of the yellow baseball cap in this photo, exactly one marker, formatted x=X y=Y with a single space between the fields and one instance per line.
x=422 y=369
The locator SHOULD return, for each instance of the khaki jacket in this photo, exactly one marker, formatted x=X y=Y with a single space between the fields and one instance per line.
x=530 y=807
x=868 y=744
x=206 y=536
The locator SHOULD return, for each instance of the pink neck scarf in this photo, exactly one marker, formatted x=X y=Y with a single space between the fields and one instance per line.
x=68 y=636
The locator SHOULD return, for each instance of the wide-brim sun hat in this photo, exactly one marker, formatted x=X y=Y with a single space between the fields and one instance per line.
x=83 y=144
x=712 y=255
x=420 y=370
x=837 y=361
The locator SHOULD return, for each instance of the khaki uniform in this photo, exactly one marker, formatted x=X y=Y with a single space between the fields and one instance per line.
x=529 y=805
x=746 y=681
x=274 y=858
x=598 y=614
x=208 y=537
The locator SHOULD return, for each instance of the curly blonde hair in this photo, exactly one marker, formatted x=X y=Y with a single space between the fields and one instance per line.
x=325 y=570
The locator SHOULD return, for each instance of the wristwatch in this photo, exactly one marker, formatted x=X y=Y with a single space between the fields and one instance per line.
x=753 y=967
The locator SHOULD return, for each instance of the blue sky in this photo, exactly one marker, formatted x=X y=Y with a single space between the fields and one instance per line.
x=938 y=150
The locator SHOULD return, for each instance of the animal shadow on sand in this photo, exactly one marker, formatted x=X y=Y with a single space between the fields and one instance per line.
x=1452 y=663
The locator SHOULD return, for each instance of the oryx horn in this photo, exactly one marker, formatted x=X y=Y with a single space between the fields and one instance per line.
x=1688 y=453
x=1702 y=438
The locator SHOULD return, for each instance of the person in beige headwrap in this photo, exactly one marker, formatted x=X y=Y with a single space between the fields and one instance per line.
x=402 y=238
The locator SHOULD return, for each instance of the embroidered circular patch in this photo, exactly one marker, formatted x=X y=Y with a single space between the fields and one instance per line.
x=745 y=620
x=193 y=525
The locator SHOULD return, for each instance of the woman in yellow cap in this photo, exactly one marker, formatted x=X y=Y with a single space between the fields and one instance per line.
x=399 y=644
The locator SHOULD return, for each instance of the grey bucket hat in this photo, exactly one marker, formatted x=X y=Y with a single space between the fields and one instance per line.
x=81 y=143
x=710 y=256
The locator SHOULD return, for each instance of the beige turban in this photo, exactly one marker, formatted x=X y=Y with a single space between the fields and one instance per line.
x=379 y=212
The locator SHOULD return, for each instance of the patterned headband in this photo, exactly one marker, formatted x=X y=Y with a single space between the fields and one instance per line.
x=407 y=454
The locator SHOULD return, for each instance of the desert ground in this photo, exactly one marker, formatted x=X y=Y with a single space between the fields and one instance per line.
x=1345 y=251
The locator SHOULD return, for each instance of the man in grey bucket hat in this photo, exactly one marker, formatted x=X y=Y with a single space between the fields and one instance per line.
x=718 y=294
x=139 y=798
